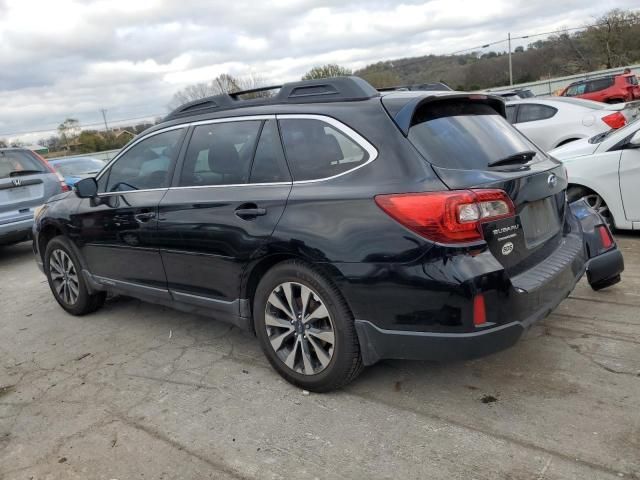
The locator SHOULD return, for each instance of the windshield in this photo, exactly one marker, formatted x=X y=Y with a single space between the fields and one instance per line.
x=79 y=167
x=12 y=162
x=465 y=135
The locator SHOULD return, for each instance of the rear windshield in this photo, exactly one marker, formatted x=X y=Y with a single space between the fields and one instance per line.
x=19 y=162
x=465 y=135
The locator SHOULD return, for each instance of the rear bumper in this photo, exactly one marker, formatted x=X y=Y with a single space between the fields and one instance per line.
x=16 y=231
x=377 y=343
x=430 y=316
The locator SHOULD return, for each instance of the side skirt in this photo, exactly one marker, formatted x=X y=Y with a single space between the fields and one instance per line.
x=236 y=312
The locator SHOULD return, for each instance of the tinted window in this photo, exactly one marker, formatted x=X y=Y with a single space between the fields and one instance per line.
x=511 y=113
x=12 y=162
x=316 y=150
x=599 y=84
x=530 y=112
x=632 y=80
x=464 y=135
x=220 y=154
x=81 y=166
x=148 y=164
x=269 y=164
x=574 y=90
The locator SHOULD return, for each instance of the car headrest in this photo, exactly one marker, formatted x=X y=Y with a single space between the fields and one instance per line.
x=223 y=157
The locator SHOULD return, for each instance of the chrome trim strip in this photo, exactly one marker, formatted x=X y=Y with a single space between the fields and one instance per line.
x=348 y=131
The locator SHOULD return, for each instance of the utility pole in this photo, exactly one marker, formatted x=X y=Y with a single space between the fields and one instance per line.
x=510 y=64
x=104 y=117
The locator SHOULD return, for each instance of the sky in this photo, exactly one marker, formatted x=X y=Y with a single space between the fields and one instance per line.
x=72 y=58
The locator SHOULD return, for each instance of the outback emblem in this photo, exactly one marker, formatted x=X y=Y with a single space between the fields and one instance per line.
x=552 y=181
x=507 y=248
x=16 y=182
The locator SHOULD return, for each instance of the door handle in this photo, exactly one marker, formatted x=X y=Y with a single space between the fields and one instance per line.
x=250 y=211
x=144 y=217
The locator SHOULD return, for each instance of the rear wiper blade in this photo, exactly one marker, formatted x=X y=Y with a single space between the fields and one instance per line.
x=520 y=157
x=17 y=173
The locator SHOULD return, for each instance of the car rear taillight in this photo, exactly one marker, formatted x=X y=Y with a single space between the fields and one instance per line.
x=605 y=237
x=447 y=217
x=63 y=184
x=615 y=120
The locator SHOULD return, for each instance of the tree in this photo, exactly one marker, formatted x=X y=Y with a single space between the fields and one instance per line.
x=3 y=144
x=382 y=79
x=326 y=71
x=69 y=129
x=224 y=83
x=608 y=36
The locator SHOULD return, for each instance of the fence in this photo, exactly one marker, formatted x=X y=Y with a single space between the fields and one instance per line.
x=106 y=155
x=548 y=87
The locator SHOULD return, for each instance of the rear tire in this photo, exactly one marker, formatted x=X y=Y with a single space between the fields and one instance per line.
x=64 y=273
x=305 y=328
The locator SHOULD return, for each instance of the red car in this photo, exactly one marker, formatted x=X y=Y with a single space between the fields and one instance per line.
x=611 y=89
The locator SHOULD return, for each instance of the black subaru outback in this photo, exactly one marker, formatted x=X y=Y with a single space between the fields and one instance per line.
x=339 y=224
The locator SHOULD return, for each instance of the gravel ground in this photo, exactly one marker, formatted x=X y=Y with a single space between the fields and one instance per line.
x=137 y=391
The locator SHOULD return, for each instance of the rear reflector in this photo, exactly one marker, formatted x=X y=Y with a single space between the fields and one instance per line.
x=605 y=237
x=479 y=310
x=448 y=217
x=615 y=120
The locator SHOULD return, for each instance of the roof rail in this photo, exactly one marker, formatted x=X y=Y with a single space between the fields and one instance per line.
x=429 y=87
x=336 y=89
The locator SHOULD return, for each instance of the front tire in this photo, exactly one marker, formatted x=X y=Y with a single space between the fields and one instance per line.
x=594 y=200
x=64 y=273
x=305 y=328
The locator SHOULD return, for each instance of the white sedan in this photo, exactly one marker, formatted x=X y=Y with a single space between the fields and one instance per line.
x=605 y=171
x=552 y=122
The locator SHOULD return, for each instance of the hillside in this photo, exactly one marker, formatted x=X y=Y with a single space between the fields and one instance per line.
x=614 y=42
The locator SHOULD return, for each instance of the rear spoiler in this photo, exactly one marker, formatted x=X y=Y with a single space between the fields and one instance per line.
x=402 y=109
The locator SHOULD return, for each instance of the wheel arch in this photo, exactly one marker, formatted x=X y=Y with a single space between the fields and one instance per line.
x=254 y=273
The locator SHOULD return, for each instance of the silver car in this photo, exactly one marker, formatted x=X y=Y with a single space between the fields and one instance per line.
x=26 y=182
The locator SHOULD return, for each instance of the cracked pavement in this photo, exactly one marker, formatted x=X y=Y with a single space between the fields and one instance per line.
x=140 y=391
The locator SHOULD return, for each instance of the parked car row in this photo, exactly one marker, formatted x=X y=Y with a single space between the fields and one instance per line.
x=340 y=224
x=608 y=89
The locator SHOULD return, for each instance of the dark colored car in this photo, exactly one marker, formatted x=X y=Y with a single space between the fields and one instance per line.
x=341 y=225
x=26 y=182
x=76 y=168
x=609 y=89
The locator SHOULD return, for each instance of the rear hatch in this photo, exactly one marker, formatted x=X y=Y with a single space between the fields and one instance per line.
x=25 y=183
x=470 y=145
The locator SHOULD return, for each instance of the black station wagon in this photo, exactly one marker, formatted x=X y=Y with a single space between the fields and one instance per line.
x=340 y=224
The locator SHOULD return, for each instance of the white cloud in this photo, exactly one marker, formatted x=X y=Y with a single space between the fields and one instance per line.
x=73 y=57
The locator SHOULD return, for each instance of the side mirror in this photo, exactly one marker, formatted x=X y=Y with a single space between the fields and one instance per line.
x=86 y=188
x=634 y=141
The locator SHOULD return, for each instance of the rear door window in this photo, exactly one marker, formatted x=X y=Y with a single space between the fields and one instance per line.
x=530 y=112
x=315 y=149
x=220 y=154
x=19 y=162
x=599 y=84
x=269 y=165
x=462 y=134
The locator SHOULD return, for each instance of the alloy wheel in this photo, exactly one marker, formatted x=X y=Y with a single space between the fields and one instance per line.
x=64 y=276
x=299 y=328
x=596 y=202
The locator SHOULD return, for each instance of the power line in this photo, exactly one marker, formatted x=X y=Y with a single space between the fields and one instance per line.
x=82 y=125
